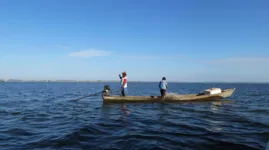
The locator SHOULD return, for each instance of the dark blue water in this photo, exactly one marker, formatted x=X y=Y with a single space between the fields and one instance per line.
x=43 y=116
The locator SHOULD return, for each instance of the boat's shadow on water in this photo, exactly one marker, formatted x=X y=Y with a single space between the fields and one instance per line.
x=164 y=102
x=108 y=111
x=126 y=107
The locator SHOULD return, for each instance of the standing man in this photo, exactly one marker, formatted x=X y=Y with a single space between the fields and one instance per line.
x=123 y=83
x=163 y=86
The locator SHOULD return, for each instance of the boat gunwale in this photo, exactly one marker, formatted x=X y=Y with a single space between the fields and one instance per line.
x=180 y=97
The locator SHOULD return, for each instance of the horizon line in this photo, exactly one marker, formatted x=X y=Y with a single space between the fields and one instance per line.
x=100 y=81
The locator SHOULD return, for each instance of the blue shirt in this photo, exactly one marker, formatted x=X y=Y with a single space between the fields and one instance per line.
x=163 y=85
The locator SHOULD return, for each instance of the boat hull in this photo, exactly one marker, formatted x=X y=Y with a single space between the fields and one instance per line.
x=173 y=98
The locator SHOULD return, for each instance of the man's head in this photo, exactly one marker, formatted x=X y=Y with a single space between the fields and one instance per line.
x=124 y=74
x=163 y=78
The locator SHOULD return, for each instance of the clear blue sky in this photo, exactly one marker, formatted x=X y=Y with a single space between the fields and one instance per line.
x=191 y=40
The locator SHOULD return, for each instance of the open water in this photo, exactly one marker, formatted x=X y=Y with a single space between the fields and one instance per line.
x=43 y=116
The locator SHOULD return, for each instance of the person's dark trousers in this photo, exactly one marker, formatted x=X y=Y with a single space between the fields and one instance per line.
x=163 y=92
x=123 y=92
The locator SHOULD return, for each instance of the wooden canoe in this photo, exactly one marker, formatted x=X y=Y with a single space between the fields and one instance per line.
x=170 y=98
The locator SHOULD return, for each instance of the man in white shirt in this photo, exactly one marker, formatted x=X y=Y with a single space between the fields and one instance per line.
x=124 y=83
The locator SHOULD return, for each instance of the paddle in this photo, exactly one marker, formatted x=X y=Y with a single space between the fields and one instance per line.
x=120 y=88
x=94 y=93
x=87 y=96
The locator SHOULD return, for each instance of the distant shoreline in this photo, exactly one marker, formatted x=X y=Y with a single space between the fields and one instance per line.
x=61 y=81
x=117 y=81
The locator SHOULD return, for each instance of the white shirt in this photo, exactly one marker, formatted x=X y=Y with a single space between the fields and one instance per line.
x=124 y=79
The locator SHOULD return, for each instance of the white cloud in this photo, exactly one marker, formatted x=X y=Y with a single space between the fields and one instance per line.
x=147 y=57
x=65 y=47
x=90 y=53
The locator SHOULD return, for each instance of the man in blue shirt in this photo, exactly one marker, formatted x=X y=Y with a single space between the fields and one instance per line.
x=163 y=86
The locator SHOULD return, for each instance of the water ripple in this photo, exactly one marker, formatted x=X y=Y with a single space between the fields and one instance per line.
x=43 y=116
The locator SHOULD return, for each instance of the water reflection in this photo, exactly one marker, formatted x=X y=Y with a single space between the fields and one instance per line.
x=106 y=111
x=216 y=125
x=164 y=112
x=215 y=105
x=109 y=108
x=125 y=111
